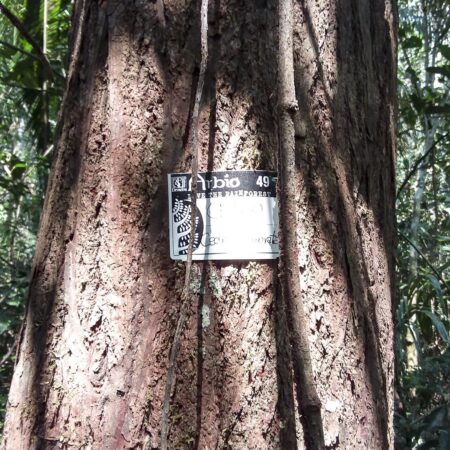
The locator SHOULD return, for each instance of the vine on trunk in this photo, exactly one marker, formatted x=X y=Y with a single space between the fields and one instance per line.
x=308 y=400
x=186 y=294
x=289 y=270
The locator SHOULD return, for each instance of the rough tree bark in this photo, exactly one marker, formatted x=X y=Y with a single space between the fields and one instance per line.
x=104 y=295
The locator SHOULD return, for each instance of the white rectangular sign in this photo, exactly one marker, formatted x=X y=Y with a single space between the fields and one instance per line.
x=236 y=215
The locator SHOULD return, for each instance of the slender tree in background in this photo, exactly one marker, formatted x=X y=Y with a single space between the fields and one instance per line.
x=27 y=118
x=104 y=295
x=422 y=316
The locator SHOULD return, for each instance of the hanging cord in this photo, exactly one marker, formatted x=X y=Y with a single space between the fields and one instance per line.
x=186 y=295
x=308 y=400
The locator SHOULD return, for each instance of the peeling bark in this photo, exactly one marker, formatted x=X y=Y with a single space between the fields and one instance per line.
x=104 y=295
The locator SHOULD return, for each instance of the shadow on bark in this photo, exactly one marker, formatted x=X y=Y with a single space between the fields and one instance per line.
x=57 y=225
x=334 y=164
x=326 y=188
x=285 y=383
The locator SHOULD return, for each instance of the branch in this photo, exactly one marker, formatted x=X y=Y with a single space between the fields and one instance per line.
x=428 y=263
x=8 y=353
x=413 y=80
x=308 y=400
x=171 y=375
x=17 y=49
x=24 y=32
x=417 y=163
x=21 y=86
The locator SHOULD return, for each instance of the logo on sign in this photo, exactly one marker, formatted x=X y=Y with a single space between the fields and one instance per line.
x=179 y=184
x=216 y=182
x=182 y=216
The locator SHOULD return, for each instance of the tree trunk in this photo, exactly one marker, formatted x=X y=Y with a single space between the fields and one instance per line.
x=104 y=295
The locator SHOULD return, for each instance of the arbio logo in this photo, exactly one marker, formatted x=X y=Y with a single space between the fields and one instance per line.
x=216 y=182
x=179 y=184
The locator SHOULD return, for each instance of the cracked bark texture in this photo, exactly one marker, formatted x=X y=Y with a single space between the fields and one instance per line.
x=104 y=294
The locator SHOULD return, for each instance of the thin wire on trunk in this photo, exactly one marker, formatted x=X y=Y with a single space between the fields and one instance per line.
x=308 y=400
x=186 y=295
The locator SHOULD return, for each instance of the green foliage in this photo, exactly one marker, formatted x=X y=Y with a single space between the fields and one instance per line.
x=423 y=206
x=30 y=93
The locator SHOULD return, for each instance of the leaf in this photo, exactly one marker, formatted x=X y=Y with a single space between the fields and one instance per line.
x=413 y=74
x=440 y=327
x=445 y=50
x=6 y=51
x=436 y=284
x=16 y=302
x=18 y=170
x=4 y=326
x=416 y=338
x=417 y=102
x=442 y=70
x=412 y=42
x=443 y=238
x=438 y=289
x=437 y=109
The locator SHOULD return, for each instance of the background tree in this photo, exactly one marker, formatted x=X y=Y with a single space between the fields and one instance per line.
x=104 y=295
x=423 y=357
x=28 y=113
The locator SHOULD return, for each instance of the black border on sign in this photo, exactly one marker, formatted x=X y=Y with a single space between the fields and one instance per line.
x=206 y=256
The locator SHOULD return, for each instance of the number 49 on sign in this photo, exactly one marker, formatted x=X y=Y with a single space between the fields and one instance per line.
x=263 y=181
